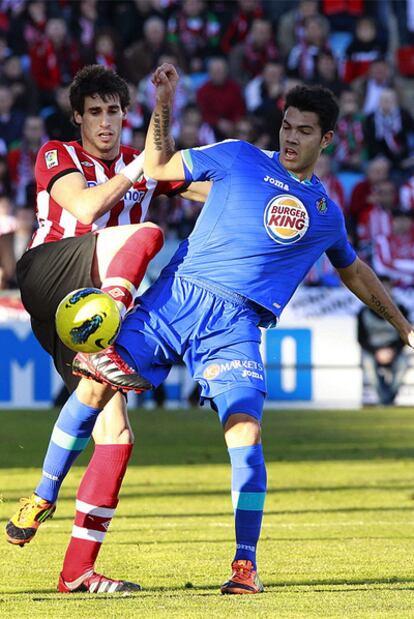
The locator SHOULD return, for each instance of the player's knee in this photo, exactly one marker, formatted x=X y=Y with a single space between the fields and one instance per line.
x=112 y=426
x=240 y=411
x=104 y=434
x=125 y=437
x=95 y=395
x=241 y=430
x=154 y=238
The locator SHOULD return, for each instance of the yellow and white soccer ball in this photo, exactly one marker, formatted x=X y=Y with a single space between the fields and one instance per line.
x=87 y=320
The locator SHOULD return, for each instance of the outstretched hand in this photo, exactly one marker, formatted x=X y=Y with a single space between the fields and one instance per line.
x=165 y=80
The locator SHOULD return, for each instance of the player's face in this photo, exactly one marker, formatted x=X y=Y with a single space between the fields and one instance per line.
x=100 y=126
x=301 y=142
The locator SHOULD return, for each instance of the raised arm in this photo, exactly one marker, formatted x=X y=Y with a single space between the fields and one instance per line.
x=363 y=282
x=161 y=162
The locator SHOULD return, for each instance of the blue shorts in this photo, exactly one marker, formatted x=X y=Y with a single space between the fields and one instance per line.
x=215 y=334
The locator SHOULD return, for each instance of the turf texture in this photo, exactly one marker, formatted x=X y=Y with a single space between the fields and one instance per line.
x=338 y=532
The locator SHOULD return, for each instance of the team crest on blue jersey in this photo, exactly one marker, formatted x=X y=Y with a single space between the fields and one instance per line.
x=322 y=205
x=286 y=219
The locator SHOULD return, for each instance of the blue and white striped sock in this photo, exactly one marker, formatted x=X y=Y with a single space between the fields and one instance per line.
x=70 y=436
x=248 y=493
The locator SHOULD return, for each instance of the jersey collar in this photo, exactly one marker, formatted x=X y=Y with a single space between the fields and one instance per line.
x=308 y=182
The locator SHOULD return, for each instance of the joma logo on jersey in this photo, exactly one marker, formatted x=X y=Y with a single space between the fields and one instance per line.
x=286 y=219
x=248 y=368
x=132 y=195
x=276 y=183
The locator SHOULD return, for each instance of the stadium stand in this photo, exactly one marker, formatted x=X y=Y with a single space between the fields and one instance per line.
x=43 y=43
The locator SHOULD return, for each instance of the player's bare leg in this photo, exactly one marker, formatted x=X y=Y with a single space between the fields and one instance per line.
x=112 y=426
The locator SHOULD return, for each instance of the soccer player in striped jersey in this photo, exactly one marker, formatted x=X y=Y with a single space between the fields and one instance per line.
x=92 y=198
x=266 y=220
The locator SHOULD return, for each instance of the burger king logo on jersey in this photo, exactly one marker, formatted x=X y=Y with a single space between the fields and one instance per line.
x=286 y=219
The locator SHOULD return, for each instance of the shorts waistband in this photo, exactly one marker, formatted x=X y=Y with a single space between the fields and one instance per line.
x=267 y=319
x=225 y=293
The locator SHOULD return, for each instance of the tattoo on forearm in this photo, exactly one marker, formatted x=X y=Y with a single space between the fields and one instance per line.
x=166 y=130
x=381 y=309
x=157 y=132
x=162 y=137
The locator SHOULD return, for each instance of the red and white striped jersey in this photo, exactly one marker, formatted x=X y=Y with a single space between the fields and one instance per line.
x=393 y=255
x=55 y=159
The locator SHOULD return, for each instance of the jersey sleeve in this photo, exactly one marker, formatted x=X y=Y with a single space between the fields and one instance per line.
x=210 y=163
x=170 y=188
x=52 y=162
x=341 y=254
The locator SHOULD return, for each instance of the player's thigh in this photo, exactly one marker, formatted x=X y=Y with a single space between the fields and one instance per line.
x=62 y=356
x=228 y=366
x=46 y=274
x=222 y=368
x=146 y=343
x=112 y=426
x=108 y=244
x=50 y=271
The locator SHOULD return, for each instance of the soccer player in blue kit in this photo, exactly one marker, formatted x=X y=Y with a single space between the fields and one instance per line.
x=266 y=221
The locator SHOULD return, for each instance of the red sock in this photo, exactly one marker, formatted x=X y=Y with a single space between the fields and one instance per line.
x=96 y=501
x=128 y=266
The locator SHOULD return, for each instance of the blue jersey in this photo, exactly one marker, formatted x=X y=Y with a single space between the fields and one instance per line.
x=261 y=229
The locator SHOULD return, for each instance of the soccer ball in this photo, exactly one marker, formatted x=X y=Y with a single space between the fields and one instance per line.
x=87 y=320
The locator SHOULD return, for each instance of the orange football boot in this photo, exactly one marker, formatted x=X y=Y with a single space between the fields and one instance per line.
x=244 y=579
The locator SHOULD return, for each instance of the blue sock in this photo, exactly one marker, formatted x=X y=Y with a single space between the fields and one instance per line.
x=248 y=492
x=70 y=436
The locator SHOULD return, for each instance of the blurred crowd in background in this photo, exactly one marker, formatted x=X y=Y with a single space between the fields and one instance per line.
x=237 y=59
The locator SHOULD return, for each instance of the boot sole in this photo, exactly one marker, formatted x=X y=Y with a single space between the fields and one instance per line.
x=86 y=374
x=18 y=542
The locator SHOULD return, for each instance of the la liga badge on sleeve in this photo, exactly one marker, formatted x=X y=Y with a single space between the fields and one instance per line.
x=51 y=158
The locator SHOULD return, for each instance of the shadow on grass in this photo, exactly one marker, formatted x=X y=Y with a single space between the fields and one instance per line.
x=265 y=537
x=226 y=514
x=347 y=585
x=158 y=491
x=364 y=583
x=282 y=512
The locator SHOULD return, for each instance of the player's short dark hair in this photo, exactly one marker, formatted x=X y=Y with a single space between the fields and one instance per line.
x=95 y=79
x=315 y=99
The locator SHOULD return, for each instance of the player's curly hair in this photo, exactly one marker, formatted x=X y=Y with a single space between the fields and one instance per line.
x=95 y=79
x=315 y=99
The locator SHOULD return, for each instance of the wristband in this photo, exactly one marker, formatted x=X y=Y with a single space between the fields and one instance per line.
x=135 y=169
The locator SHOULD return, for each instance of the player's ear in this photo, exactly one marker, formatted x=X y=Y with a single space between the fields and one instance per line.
x=77 y=117
x=327 y=139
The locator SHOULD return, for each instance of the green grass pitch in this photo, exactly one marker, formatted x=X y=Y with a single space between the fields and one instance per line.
x=338 y=531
